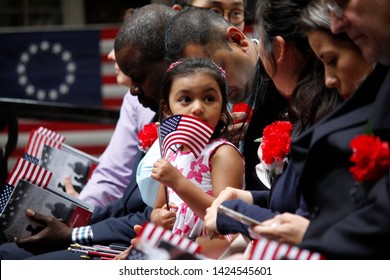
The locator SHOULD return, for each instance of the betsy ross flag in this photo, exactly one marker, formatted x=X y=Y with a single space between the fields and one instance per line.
x=267 y=249
x=184 y=130
x=67 y=66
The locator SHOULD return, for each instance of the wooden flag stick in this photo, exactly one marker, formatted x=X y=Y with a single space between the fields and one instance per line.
x=162 y=156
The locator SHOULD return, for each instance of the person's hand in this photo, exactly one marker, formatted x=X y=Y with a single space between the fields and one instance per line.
x=210 y=222
x=135 y=240
x=166 y=218
x=230 y=193
x=210 y=219
x=69 y=187
x=286 y=228
x=237 y=130
x=164 y=172
x=123 y=255
x=56 y=235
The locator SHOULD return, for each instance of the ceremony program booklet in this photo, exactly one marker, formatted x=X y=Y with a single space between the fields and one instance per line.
x=66 y=161
x=15 y=223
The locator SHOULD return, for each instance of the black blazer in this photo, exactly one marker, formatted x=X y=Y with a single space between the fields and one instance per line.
x=346 y=223
x=114 y=223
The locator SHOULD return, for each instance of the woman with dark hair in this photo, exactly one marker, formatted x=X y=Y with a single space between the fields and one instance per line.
x=345 y=70
x=290 y=87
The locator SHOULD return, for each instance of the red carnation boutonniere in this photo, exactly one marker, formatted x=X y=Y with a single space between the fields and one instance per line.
x=371 y=158
x=147 y=136
x=242 y=108
x=275 y=146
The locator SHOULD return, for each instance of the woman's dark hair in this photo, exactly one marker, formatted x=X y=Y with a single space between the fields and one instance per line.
x=316 y=16
x=310 y=101
x=190 y=66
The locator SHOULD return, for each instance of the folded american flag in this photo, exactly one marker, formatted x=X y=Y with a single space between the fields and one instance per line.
x=152 y=234
x=184 y=130
x=40 y=137
x=24 y=170
x=267 y=249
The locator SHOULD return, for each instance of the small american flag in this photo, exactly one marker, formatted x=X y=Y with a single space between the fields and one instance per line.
x=30 y=172
x=40 y=137
x=151 y=235
x=266 y=249
x=184 y=130
x=24 y=170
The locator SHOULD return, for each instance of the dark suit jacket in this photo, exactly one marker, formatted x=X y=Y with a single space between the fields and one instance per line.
x=114 y=223
x=285 y=198
x=346 y=222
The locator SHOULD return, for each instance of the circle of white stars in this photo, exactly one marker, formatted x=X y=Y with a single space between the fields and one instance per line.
x=32 y=90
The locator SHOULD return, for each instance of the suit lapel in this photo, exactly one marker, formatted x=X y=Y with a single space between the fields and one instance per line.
x=380 y=116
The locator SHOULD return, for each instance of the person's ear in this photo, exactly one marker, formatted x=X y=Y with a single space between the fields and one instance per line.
x=177 y=7
x=237 y=37
x=165 y=109
x=279 y=49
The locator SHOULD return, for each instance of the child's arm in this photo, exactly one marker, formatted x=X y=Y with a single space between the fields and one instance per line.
x=227 y=170
x=161 y=215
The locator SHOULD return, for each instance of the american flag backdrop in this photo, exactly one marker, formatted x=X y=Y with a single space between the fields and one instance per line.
x=68 y=66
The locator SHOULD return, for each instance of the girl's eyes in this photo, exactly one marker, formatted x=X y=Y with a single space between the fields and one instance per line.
x=184 y=99
x=209 y=98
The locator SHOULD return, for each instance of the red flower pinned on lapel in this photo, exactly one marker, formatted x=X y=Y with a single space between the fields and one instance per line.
x=147 y=136
x=275 y=146
x=371 y=158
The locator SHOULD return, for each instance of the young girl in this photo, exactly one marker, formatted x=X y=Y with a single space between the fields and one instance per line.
x=195 y=87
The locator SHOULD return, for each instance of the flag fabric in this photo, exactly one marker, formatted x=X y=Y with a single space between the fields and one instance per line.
x=40 y=137
x=51 y=134
x=184 y=130
x=151 y=235
x=30 y=172
x=30 y=158
x=24 y=170
x=5 y=194
x=68 y=66
x=267 y=249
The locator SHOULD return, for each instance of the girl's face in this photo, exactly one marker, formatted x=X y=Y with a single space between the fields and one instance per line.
x=197 y=95
x=345 y=66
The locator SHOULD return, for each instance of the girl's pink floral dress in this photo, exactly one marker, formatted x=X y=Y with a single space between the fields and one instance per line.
x=198 y=171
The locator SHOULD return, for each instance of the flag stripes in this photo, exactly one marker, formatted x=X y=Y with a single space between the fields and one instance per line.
x=24 y=170
x=152 y=234
x=185 y=130
x=30 y=172
x=40 y=137
x=267 y=249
